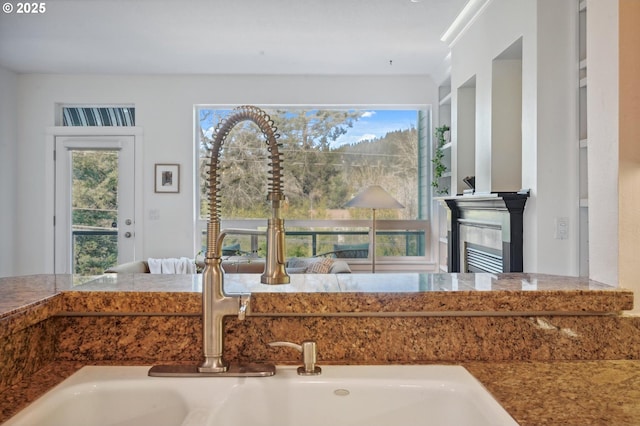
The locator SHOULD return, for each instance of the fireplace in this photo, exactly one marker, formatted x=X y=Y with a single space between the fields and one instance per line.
x=485 y=232
x=478 y=258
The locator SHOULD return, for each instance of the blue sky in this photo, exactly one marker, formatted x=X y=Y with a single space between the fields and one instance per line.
x=372 y=124
x=377 y=123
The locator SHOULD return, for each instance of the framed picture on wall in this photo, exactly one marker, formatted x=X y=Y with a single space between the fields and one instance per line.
x=167 y=178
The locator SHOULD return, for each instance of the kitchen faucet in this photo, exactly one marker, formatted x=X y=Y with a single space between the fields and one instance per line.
x=216 y=304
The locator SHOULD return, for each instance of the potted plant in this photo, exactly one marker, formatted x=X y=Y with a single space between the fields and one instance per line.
x=439 y=168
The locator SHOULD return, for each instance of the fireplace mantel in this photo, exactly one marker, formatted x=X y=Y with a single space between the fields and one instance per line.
x=496 y=216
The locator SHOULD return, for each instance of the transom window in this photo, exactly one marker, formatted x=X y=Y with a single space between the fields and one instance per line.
x=98 y=116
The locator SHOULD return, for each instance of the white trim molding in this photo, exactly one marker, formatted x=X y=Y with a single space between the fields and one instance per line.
x=49 y=184
x=465 y=18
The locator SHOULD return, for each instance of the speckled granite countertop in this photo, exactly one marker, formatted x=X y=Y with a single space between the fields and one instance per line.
x=579 y=393
x=323 y=294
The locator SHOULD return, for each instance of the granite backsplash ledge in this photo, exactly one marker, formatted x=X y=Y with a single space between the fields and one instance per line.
x=354 y=340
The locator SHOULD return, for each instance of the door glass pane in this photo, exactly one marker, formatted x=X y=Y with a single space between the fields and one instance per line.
x=94 y=203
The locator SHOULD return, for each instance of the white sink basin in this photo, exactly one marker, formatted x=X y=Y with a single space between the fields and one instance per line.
x=341 y=395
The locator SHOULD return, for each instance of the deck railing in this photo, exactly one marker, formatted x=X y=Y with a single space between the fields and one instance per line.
x=395 y=239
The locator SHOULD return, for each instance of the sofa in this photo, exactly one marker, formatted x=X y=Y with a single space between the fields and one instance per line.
x=244 y=265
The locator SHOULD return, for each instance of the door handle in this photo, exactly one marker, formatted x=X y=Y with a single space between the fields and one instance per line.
x=128 y=234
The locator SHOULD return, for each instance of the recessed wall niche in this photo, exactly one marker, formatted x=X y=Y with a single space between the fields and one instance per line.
x=466 y=133
x=506 y=119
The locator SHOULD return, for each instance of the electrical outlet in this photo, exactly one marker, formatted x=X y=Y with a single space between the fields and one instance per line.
x=561 y=228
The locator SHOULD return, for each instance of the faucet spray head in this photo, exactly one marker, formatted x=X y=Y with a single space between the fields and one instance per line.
x=275 y=272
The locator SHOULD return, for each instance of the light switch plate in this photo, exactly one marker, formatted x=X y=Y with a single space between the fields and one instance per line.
x=561 y=228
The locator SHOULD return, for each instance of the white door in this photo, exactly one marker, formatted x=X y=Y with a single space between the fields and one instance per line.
x=94 y=203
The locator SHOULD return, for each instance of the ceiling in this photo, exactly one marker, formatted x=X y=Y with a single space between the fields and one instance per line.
x=324 y=37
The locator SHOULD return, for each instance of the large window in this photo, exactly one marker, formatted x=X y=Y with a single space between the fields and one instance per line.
x=329 y=156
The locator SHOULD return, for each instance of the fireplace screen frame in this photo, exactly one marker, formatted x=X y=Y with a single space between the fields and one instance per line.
x=502 y=211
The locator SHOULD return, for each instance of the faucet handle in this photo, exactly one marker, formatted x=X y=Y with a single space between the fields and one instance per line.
x=245 y=299
x=309 y=352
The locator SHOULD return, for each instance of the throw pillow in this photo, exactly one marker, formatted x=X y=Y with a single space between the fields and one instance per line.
x=323 y=266
x=297 y=262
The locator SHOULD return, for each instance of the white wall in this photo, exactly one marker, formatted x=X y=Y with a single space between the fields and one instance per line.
x=498 y=26
x=549 y=114
x=164 y=109
x=556 y=143
x=8 y=183
x=603 y=138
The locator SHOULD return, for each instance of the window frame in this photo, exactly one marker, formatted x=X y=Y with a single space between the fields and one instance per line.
x=424 y=263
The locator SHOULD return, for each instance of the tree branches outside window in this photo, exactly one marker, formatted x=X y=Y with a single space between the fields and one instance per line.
x=319 y=176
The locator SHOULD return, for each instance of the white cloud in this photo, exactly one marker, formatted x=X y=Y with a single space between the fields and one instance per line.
x=367 y=114
x=367 y=137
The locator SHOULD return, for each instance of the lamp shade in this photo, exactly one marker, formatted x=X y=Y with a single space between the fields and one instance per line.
x=374 y=197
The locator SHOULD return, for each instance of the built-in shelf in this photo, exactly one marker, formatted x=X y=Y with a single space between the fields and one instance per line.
x=583 y=143
x=582 y=5
x=446 y=99
x=444 y=119
x=583 y=64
